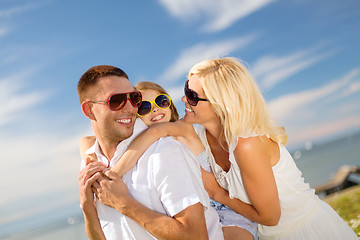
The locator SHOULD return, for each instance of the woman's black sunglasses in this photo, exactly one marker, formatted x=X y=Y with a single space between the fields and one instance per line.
x=192 y=96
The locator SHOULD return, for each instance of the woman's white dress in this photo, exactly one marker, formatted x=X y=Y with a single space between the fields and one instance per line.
x=303 y=214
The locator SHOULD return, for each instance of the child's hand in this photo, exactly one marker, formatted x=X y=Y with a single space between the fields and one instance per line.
x=214 y=190
x=90 y=158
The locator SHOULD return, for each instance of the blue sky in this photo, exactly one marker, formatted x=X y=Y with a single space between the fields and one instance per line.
x=303 y=53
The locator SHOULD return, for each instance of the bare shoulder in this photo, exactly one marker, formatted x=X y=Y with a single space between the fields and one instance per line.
x=249 y=144
x=252 y=143
x=259 y=148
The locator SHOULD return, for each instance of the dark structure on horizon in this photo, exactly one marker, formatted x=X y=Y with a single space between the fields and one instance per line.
x=345 y=177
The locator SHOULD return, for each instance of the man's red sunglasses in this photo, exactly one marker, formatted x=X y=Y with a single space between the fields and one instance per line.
x=117 y=101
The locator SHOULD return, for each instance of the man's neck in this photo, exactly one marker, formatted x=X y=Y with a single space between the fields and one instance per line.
x=107 y=148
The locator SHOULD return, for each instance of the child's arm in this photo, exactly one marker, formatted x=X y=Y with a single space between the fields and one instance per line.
x=179 y=129
x=139 y=145
x=85 y=144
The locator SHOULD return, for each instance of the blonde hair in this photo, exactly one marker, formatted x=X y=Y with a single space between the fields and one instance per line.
x=236 y=99
x=156 y=87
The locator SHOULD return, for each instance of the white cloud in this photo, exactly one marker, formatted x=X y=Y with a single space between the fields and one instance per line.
x=3 y=31
x=17 y=10
x=306 y=114
x=42 y=168
x=220 y=14
x=348 y=107
x=14 y=99
x=176 y=93
x=353 y=88
x=200 y=52
x=44 y=160
x=271 y=70
x=322 y=130
x=285 y=106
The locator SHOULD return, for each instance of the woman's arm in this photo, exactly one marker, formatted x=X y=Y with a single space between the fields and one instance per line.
x=253 y=155
x=142 y=142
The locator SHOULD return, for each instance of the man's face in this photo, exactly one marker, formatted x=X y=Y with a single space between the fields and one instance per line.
x=114 y=126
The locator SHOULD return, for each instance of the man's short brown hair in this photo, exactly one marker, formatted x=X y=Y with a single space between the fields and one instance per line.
x=91 y=77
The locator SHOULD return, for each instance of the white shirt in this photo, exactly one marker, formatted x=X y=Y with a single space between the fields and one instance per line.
x=166 y=179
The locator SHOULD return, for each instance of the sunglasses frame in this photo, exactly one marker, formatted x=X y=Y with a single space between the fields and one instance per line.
x=153 y=102
x=197 y=98
x=127 y=99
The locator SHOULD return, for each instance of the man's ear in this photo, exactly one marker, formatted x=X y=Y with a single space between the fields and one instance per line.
x=86 y=108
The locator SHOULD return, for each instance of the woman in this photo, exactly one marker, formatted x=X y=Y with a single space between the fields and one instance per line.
x=257 y=175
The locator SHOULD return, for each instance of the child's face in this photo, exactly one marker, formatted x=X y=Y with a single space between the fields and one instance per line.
x=156 y=115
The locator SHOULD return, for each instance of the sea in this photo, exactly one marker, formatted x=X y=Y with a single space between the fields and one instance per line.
x=318 y=163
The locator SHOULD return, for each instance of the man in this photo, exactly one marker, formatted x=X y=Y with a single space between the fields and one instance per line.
x=162 y=196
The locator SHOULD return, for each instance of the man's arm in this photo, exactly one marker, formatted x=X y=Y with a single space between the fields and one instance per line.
x=87 y=177
x=187 y=224
x=92 y=223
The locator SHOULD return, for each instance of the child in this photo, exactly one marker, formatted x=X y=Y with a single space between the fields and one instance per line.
x=156 y=108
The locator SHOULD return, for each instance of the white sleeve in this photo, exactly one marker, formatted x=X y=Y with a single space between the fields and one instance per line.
x=177 y=177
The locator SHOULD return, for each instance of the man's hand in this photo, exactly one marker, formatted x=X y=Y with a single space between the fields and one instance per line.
x=111 y=190
x=187 y=224
x=86 y=177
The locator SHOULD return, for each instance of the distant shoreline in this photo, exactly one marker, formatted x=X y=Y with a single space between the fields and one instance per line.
x=345 y=192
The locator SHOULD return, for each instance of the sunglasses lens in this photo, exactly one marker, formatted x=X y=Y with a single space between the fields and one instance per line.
x=162 y=101
x=117 y=101
x=191 y=96
x=136 y=99
x=144 y=108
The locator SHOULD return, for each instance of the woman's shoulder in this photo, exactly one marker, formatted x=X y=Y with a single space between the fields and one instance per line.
x=247 y=143
x=252 y=144
x=245 y=139
x=252 y=135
